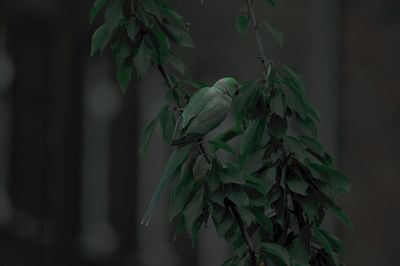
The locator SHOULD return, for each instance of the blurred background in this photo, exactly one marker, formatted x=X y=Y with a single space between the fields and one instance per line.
x=72 y=186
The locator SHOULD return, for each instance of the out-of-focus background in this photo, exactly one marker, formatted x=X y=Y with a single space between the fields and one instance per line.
x=72 y=186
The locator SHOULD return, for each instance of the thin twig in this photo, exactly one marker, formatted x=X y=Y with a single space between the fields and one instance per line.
x=243 y=230
x=264 y=62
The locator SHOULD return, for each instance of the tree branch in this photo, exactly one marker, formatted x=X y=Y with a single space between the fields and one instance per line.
x=250 y=245
x=264 y=62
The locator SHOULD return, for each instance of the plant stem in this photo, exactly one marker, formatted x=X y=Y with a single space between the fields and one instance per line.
x=250 y=245
x=264 y=62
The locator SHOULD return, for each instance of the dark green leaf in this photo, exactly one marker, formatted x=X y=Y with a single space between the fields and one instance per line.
x=278 y=105
x=213 y=177
x=276 y=34
x=216 y=145
x=101 y=37
x=298 y=186
x=178 y=201
x=271 y=2
x=167 y=123
x=326 y=245
x=97 y=6
x=242 y=24
x=277 y=126
x=193 y=211
x=232 y=175
x=124 y=75
x=277 y=253
x=114 y=14
x=177 y=35
x=177 y=63
x=142 y=60
x=340 y=215
x=331 y=176
x=264 y=221
x=153 y=8
x=336 y=243
x=132 y=30
x=200 y=167
x=300 y=251
x=237 y=195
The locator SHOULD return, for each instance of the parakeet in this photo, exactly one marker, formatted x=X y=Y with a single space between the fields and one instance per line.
x=206 y=109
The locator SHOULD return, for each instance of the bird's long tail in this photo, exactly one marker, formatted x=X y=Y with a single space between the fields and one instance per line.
x=177 y=158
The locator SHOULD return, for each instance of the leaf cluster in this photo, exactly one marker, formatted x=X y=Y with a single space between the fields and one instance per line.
x=279 y=178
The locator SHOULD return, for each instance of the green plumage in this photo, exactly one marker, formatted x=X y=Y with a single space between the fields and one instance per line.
x=205 y=111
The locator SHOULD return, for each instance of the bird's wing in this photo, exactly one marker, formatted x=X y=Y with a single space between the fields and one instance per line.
x=177 y=158
x=195 y=105
x=211 y=116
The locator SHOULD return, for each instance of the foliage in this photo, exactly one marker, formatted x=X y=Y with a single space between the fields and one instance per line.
x=270 y=199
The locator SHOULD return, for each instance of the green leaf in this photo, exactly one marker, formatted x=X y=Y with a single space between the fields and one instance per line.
x=294 y=79
x=177 y=35
x=326 y=245
x=264 y=221
x=142 y=60
x=100 y=39
x=294 y=145
x=313 y=144
x=148 y=133
x=251 y=139
x=193 y=211
x=178 y=201
x=277 y=36
x=124 y=75
x=278 y=105
x=171 y=13
x=224 y=225
x=277 y=126
x=167 y=123
x=258 y=184
x=97 y=6
x=132 y=30
x=213 y=177
x=331 y=176
x=237 y=195
x=242 y=24
x=216 y=145
x=232 y=175
x=200 y=167
x=297 y=104
x=153 y=8
x=271 y=2
x=114 y=14
x=336 y=243
x=276 y=253
x=298 y=186
x=340 y=215
x=300 y=251
x=177 y=63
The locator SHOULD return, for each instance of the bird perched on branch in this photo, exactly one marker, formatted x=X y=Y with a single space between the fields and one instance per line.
x=205 y=111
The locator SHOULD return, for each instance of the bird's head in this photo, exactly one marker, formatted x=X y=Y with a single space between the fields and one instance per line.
x=228 y=86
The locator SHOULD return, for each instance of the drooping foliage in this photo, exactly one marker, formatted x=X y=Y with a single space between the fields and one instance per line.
x=271 y=197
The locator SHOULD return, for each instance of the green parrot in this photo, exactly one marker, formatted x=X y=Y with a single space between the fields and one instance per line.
x=205 y=111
